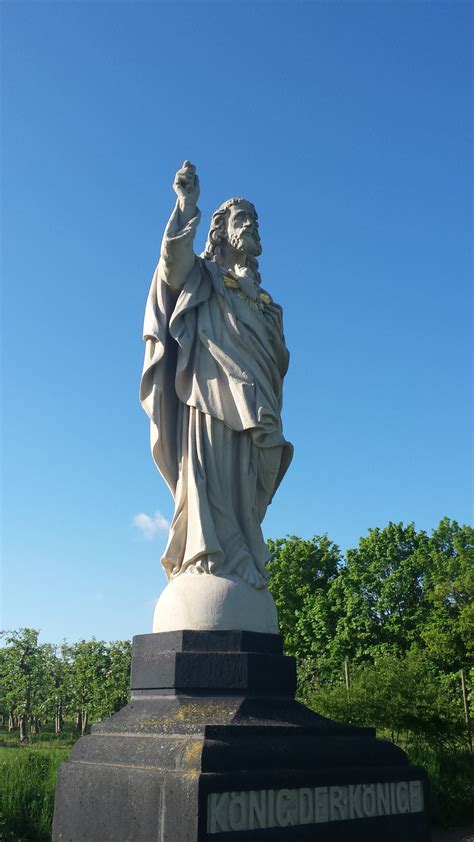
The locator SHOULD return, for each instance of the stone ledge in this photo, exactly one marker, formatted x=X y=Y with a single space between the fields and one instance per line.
x=147 y=645
x=242 y=671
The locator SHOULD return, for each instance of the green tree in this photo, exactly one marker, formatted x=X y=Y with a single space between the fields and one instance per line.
x=448 y=629
x=378 y=596
x=87 y=670
x=301 y=574
x=24 y=678
x=117 y=682
x=59 y=700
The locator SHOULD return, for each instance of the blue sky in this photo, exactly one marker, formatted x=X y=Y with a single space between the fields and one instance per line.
x=349 y=126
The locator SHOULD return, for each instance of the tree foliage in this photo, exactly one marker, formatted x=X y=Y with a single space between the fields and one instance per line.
x=301 y=574
x=401 y=695
x=382 y=635
x=41 y=683
x=379 y=599
x=448 y=630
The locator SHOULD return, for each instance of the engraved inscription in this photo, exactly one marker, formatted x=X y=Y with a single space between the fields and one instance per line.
x=264 y=808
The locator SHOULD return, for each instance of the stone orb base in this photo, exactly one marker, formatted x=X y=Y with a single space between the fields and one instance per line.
x=203 y=602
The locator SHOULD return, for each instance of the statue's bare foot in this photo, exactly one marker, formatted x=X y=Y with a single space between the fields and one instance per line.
x=250 y=574
x=201 y=565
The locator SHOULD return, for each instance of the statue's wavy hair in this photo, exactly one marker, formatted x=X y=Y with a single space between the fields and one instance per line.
x=218 y=233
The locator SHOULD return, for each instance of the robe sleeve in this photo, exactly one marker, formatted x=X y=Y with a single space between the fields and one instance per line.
x=176 y=277
x=177 y=257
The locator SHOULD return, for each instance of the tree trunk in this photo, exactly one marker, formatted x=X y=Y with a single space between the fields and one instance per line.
x=347 y=674
x=85 y=721
x=22 y=721
x=79 y=720
x=35 y=725
x=11 y=721
x=467 y=715
x=58 y=719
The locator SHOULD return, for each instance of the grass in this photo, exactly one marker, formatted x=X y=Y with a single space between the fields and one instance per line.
x=451 y=774
x=27 y=784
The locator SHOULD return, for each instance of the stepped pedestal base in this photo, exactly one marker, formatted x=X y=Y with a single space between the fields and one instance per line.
x=214 y=748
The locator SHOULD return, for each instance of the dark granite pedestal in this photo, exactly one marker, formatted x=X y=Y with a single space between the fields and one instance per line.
x=213 y=746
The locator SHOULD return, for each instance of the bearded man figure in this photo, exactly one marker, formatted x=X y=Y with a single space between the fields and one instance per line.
x=215 y=360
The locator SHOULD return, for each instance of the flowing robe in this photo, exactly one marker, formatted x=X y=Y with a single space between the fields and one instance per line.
x=212 y=388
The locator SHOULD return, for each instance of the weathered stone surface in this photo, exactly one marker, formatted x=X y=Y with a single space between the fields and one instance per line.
x=248 y=662
x=209 y=602
x=149 y=645
x=173 y=766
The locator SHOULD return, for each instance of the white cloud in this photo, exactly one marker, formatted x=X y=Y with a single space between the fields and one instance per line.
x=150 y=526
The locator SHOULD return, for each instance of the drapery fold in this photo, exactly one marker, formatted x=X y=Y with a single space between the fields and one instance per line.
x=212 y=388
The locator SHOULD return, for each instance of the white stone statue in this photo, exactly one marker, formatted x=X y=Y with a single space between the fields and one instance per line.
x=215 y=360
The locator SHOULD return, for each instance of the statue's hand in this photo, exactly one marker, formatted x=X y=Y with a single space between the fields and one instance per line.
x=186 y=185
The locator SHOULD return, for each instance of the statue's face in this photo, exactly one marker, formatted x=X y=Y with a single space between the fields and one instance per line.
x=242 y=229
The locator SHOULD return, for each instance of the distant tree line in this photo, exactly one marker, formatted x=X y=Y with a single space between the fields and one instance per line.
x=42 y=685
x=383 y=636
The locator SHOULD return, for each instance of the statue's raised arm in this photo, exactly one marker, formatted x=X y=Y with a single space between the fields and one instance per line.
x=186 y=187
x=177 y=255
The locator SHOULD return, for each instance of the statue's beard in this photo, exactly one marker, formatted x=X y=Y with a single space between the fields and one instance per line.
x=248 y=244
